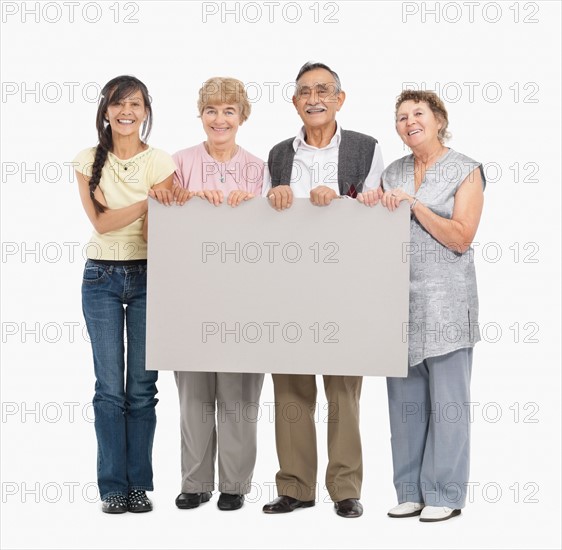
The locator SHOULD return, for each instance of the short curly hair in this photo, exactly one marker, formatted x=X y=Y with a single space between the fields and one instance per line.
x=434 y=102
x=219 y=90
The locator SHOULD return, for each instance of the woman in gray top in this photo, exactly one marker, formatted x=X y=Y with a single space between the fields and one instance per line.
x=429 y=410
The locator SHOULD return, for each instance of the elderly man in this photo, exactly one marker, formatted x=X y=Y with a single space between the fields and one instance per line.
x=323 y=163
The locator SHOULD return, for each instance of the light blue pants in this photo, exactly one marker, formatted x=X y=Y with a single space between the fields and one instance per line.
x=430 y=430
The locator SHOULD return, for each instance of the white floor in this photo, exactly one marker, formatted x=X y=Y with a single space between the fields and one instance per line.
x=50 y=498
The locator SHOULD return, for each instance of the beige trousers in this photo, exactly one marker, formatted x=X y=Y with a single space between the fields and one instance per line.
x=295 y=433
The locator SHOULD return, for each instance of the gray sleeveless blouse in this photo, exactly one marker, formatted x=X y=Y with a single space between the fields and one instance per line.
x=443 y=293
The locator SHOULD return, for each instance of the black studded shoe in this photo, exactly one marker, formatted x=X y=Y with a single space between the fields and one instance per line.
x=115 y=504
x=137 y=501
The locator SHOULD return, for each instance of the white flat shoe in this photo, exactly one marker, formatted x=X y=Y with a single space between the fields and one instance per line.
x=438 y=513
x=406 y=510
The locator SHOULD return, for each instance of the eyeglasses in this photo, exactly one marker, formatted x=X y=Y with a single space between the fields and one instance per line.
x=322 y=90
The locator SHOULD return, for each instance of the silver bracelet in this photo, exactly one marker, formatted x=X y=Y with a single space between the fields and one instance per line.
x=413 y=203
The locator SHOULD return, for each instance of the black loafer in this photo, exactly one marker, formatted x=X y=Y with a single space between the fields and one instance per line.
x=138 y=502
x=349 y=508
x=116 y=504
x=284 y=505
x=230 y=502
x=192 y=500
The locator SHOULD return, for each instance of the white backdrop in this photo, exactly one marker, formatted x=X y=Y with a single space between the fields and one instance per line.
x=496 y=64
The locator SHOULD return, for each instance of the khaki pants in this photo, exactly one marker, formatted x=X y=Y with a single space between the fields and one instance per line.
x=295 y=433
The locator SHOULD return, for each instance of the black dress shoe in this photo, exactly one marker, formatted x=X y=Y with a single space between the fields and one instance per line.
x=349 y=508
x=192 y=500
x=230 y=502
x=137 y=502
x=115 y=504
x=284 y=504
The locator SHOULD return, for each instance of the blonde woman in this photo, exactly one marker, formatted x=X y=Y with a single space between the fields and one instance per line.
x=220 y=171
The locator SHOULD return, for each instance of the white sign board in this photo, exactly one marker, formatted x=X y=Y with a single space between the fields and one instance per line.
x=309 y=290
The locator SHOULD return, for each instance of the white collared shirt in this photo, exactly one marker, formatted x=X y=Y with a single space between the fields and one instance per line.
x=313 y=166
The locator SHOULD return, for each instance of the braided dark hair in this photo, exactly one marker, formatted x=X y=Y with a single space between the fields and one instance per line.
x=112 y=93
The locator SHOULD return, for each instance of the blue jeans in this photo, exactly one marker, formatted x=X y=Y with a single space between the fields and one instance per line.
x=124 y=403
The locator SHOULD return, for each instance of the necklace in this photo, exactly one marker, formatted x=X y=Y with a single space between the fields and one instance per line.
x=139 y=149
x=222 y=171
x=126 y=164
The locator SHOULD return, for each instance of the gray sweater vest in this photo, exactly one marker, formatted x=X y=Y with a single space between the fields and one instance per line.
x=355 y=156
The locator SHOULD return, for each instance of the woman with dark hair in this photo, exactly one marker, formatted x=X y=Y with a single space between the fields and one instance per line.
x=429 y=409
x=114 y=179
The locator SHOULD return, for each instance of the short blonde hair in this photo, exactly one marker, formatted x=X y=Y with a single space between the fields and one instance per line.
x=434 y=102
x=219 y=90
